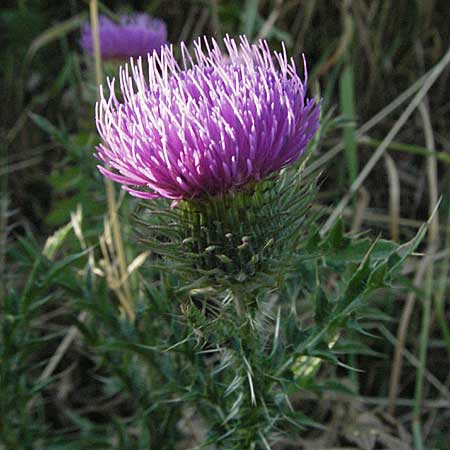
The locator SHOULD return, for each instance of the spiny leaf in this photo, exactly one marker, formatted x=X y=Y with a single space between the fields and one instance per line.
x=323 y=306
x=335 y=238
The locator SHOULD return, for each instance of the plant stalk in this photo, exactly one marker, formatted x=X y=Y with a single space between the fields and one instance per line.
x=110 y=195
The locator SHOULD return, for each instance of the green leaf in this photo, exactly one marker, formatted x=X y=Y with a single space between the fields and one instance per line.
x=51 y=129
x=59 y=266
x=61 y=210
x=302 y=421
x=335 y=238
x=356 y=250
x=377 y=277
x=356 y=285
x=68 y=178
x=323 y=306
x=405 y=250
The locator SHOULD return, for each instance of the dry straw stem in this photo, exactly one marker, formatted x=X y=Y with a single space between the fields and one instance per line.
x=57 y=356
x=344 y=42
x=125 y=298
x=443 y=390
x=443 y=156
x=440 y=291
x=402 y=332
x=115 y=279
x=359 y=213
x=394 y=196
x=302 y=23
x=428 y=82
x=61 y=350
x=6 y=169
x=188 y=22
x=376 y=218
x=401 y=335
x=425 y=270
x=270 y=22
x=433 y=238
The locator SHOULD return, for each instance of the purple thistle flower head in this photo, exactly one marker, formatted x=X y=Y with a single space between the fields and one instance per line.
x=212 y=125
x=135 y=35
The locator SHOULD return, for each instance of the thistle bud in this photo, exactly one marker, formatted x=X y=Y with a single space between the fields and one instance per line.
x=134 y=35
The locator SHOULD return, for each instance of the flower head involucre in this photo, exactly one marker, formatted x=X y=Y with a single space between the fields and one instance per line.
x=210 y=126
x=135 y=35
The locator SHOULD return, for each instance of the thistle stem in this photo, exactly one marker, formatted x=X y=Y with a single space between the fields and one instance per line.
x=253 y=389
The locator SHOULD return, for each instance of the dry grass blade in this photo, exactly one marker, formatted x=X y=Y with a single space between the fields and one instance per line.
x=56 y=32
x=344 y=42
x=394 y=197
x=433 y=236
x=375 y=120
x=386 y=141
x=72 y=333
x=443 y=390
x=10 y=168
x=432 y=174
x=188 y=23
x=360 y=210
x=372 y=217
x=270 y=22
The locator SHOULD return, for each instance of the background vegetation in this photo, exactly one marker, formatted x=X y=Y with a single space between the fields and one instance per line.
x=67 y=380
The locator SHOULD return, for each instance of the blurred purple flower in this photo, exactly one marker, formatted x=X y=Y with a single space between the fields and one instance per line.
x=211 y=126
x=135 y=35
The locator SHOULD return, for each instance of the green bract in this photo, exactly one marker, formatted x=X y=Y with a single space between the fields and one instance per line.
x=241 y=242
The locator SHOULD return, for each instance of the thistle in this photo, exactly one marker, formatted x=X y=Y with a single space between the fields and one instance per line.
x=134 y=35
x=217 y=137
x=213 y=147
